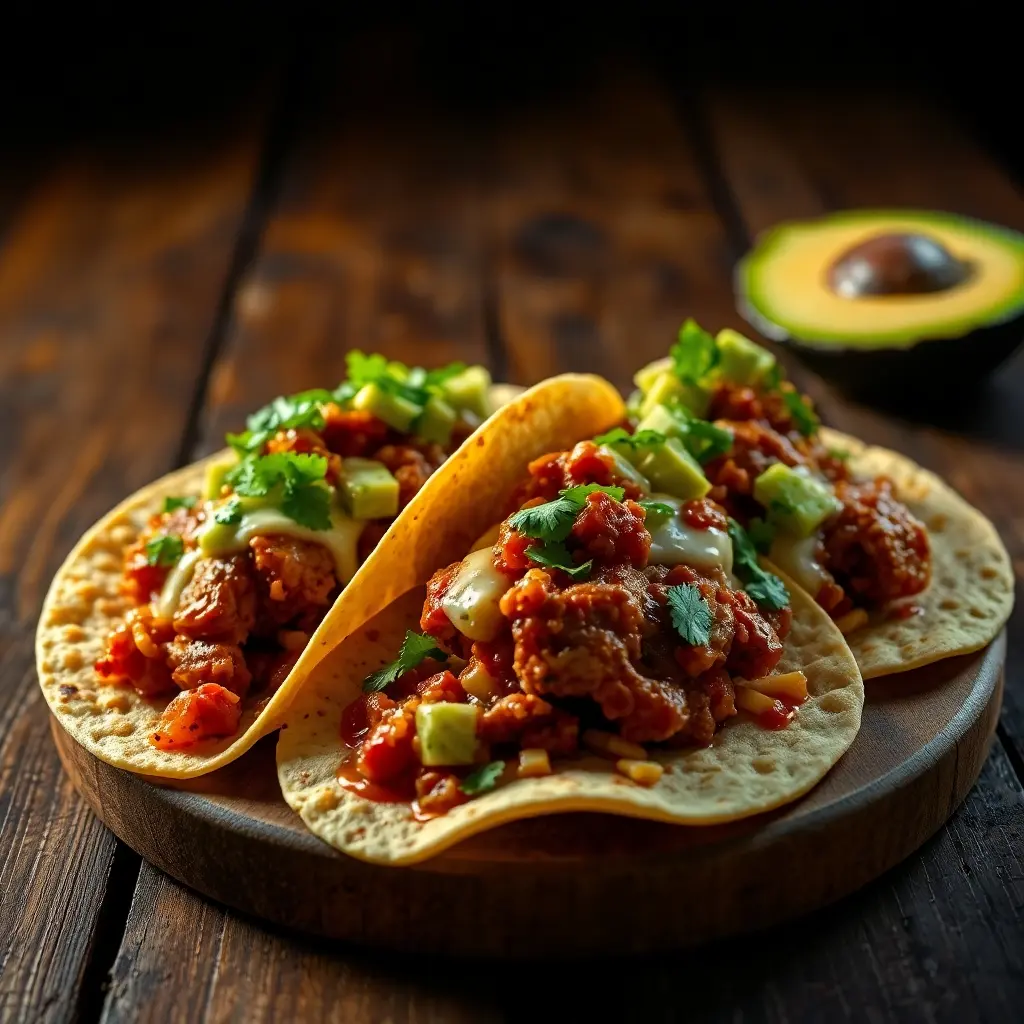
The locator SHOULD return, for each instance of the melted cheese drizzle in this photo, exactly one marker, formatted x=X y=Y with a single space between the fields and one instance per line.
x=796 y=557
x=215 y=539
x=472 y=600
x=675 y=543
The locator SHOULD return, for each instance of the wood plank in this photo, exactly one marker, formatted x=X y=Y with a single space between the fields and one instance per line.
x=109 y=279
x=786 y=155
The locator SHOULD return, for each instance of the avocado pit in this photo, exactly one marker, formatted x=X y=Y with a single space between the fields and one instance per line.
x=896 y=264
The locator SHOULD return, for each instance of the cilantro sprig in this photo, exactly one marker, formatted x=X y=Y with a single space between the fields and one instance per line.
x=482 y=779
x=284 y=413
x=416 y=648
x=690 y=614
x=641 y=439
x=764 y=587
x=805 y=419
x=171 y=503
x=551 y=523
x=695 y=353
x=164 y=550
x=299 y=476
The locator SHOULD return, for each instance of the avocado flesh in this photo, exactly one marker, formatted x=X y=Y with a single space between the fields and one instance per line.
x=447 y=733
x=436 y=421
x=784 y=290
x=795 y=502
x=672 y=469
x=368 y=490
x=470 y=391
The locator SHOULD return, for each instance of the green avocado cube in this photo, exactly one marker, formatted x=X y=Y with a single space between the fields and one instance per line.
x=395 y=411
x=672 y=469
x=447 y=733
x=624 y=460
x=742 y=361
x=645 y=377
x=470 y=390
x=660 y=418
x=436 y=422
x=215 y=474
x=668 y=387
x=368 y=490
x=795 y=501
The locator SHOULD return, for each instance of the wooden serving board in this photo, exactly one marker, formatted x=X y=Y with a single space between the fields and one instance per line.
x=582 y=883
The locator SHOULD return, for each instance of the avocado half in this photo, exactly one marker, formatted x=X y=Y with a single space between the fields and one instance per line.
x=889 y=303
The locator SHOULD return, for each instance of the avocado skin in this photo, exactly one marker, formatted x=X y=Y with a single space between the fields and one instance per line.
x=931 y=372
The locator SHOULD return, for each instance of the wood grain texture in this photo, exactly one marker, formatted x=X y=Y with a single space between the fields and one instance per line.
x=109 y=278
x=789 y=155
x=574 y=885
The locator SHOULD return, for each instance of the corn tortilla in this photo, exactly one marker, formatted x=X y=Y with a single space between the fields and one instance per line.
x=84 y=602
x=970 y=596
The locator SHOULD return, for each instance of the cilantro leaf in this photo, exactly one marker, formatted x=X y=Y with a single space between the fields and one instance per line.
x=761 y=534
x=365 y=369
x=805 y=419
x=170 y=504
x=764 y=587
x=839 y=454
x=393 y=377
x=551 y=521
x=284 y=413
x=706 y=441
x=641 y=439
x=164 y=549
x=416 y=647
x=434 y=379
x=556 y=556
x=690 y=613
x=482 y=779
x=694 y=354
x=581 y=492
x=657 y=512
x=309 y=505
x=229 y=513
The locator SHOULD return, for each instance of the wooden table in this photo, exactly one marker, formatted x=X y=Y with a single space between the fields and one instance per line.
x=148 y=302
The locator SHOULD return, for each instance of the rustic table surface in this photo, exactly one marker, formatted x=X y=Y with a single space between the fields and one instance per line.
x=147 y=303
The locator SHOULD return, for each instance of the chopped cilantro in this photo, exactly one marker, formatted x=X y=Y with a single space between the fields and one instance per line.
x=764 y=587
x=657 y=512
x=690 y=614
x=703 y=440
x=839 y=454
x=641 y=439
x=414 y=384
x=170 y=504
x=694 y=354
x=283 y=413
x=229 y=513
x=805 y=419
x=416 y=647
x=580 y=493
x=482 y=779
x=761 y=534
x=300 y=474
x=556 y=556
x=551 y=521
x=164 y=549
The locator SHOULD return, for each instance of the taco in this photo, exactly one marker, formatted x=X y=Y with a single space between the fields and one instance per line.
x=175 y=633
x=907 y=569
x=610 y=646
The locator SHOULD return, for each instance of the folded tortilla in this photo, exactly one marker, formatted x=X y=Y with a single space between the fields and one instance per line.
x=970 y=596
x=84 y=602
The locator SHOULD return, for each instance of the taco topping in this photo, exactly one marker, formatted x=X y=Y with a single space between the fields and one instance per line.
x=851 y=543
x=228 y=586
x=609 y=617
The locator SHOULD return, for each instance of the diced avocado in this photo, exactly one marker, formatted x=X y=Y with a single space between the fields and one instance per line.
x=368 y=490
x=671 y=468
x=795 y=501
x=742 y=361
x=469 y=390
x=660 y=418
x=634 y=404
x=447 y=733
x=394 y=410
x=645 y=377
x=215 y=474
x=668 y=387
x=623 y=456
x=436 y=422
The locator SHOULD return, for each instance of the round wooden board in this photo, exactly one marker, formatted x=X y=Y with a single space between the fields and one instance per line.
x=581 y=883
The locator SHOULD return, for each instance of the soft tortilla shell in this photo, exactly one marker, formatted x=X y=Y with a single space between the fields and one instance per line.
x=971 y=592
x=746 y=770
x=84 y=604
